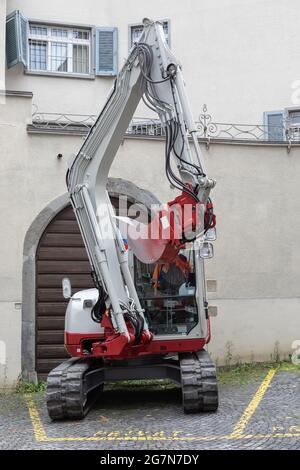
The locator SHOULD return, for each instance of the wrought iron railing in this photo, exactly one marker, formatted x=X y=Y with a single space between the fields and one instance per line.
x=149 y=127
x=61 y=122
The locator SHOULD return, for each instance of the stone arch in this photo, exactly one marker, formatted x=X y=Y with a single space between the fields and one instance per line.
x=116 y=187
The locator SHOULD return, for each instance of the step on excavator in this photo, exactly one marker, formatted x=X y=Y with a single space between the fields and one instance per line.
x=147 y=316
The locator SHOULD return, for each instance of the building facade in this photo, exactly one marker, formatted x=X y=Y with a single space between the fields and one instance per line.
x=243 y=79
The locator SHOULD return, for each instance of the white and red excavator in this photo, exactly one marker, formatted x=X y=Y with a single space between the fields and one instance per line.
x=151 y=321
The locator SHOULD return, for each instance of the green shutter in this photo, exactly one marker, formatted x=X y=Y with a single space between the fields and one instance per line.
x=106 y=51
x=16 y=39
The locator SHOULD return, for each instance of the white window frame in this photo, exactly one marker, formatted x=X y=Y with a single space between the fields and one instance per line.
x=288 y=125
x=70 y=41
x=132 y=25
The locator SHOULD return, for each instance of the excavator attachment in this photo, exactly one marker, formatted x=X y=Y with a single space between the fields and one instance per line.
x=173 y=225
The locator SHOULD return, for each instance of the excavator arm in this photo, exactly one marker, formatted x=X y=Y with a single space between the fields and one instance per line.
x=153 y=74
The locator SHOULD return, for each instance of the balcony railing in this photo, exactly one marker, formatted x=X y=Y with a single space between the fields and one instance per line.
x=152 y=128
x=68 y=123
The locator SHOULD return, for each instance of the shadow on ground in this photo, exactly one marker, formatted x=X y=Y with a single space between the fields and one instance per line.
x=130 y=397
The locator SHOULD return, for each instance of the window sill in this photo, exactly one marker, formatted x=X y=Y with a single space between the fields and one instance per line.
x=59 y=74
x=16 y=93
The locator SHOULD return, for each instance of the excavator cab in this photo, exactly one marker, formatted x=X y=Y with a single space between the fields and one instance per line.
x=167 y=292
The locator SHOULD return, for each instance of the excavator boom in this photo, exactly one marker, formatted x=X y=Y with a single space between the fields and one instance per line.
x=153 y=74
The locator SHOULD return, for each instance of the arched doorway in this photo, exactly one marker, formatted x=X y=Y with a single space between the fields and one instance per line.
x=53 y=249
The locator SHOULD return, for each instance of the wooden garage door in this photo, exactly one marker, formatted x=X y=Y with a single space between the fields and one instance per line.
x=61 y=253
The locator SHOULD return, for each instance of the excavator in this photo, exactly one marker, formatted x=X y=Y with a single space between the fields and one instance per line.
x=147 y=318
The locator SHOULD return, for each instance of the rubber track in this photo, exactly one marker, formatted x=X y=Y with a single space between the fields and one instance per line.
x=199 y=382
x=66 y=398
x=65 y=394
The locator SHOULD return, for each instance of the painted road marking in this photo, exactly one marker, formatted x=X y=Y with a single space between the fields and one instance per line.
x=237 y=433
x=39 y=430
x=240 y=426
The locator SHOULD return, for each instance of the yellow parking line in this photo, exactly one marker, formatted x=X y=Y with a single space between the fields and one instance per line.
x=237 y=433
x=39 y=431
x=240 y=426
x=265 y=436
x=136 y=438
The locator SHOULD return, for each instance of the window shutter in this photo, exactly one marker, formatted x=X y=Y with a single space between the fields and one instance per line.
x=274 y=125
x=16 y=39
x=24 y=39
x=106 y=51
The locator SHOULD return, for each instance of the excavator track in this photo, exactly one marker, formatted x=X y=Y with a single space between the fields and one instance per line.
x=74 y=385
x=199 y=382
x=68 y=394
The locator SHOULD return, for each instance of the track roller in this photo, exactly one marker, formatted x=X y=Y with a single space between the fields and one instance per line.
x=70 y=393
x=199 y=382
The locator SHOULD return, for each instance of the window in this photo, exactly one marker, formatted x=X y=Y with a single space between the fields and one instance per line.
x=38 y=55
x=151 y=128
x=292 y=123
x=38 y=30
x=282 y=125
x=167 y=293
x=59 y=49
x=136 y=31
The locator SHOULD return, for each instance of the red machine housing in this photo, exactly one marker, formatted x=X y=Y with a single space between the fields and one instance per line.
x=116 y=346
x=121 y=349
